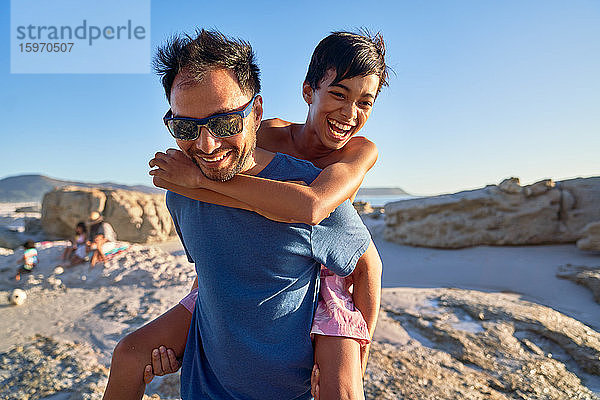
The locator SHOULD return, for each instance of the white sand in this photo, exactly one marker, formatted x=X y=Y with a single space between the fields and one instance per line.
x=95 y=305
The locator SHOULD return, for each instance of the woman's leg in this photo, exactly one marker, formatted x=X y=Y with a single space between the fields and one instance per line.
x=339 y=330
x=74 y=260
x=67 y=253
x=134 y=352
x=340 y=373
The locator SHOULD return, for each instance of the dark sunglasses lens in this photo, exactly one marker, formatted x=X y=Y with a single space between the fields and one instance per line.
x=226 y=125
x=183 y=130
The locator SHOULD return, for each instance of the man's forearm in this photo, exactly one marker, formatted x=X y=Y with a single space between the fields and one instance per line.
x=367 y=291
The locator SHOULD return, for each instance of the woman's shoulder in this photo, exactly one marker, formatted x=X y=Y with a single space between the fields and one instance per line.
x=274 y=123
x=360 y=143
x=274 y=135
x=358 y=149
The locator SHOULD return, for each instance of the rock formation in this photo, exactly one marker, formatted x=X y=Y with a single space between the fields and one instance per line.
x=10 y=239
x=590 y=237
x=365 y=208
x=135 y=216
x=588 y=277
x=504 y=214
x=461 y=344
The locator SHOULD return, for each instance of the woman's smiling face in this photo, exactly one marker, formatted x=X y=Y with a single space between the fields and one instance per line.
x=337 y=111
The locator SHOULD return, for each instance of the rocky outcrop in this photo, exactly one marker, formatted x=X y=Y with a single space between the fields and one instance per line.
x=588 y=277
x=13 y=239
x=10 y=239
x=460 y=344
x=364 y=208
x=135 y=216
x=590 y=237
x=504 y=214
x=138 y=217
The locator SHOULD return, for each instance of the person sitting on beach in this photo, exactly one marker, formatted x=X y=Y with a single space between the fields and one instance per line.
x=29 y=260
x=102 y=238
x=76 y=252
x=344 y=354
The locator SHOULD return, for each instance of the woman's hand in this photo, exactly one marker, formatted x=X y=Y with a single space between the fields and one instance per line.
x=175 y=167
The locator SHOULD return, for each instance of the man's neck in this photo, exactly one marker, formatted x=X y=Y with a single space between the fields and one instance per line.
x=257 y=161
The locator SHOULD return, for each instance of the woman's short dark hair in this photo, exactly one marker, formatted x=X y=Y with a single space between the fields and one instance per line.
x=209 y=50
x=349 y=54
x=29 y=245
x=83 y=227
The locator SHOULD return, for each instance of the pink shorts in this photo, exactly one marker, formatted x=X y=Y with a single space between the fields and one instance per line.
x=189 y=301
x=335 y=315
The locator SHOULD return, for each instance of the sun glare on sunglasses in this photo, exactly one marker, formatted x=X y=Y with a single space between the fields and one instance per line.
x=219 y=125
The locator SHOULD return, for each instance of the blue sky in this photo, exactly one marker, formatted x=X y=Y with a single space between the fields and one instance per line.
x=482 y=90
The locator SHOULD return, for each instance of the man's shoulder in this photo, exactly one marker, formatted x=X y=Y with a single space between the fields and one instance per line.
x=172 y=196
x=174 y=200
x=284 y=167
x=298 y=163
x=343 y=213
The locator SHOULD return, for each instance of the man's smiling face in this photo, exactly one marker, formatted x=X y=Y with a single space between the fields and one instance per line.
x=339 y=110
x=218 y=92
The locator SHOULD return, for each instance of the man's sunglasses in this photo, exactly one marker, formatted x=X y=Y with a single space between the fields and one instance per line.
x=219 y=125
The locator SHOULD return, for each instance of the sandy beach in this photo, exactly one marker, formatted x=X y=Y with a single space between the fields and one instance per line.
x=58 y=344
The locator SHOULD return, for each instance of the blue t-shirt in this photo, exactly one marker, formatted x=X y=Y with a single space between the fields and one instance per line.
x=257 y=290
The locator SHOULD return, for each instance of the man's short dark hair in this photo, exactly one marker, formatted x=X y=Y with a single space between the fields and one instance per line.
x=209 y=50
x=349 y=54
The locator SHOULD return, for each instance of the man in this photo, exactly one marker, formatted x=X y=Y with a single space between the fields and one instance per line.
x=249 y=335
x=257 y=279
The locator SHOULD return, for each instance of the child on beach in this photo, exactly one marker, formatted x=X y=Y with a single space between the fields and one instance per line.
x=76 y=252
x=345 y=76
x=29 y=260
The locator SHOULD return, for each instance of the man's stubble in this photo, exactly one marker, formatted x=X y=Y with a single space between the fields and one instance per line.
x=239 y=165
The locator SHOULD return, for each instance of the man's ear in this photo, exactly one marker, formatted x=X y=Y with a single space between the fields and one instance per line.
x=307 y=93
x=258 y=110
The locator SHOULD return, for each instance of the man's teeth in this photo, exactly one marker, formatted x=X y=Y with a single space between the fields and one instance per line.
x=345 y=129
x=215 y=159
x=340 y=126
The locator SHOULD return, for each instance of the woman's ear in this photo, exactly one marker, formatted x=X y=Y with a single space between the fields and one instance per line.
x=307 y=93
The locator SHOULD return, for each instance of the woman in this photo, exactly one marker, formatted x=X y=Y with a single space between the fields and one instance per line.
x=345 y=75
x=76 y=252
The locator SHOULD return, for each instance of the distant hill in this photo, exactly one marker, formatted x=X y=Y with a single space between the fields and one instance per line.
x=383 y=191
x=29 y=188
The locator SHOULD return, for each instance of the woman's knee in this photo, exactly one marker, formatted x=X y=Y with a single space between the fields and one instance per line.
x=130 y=351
